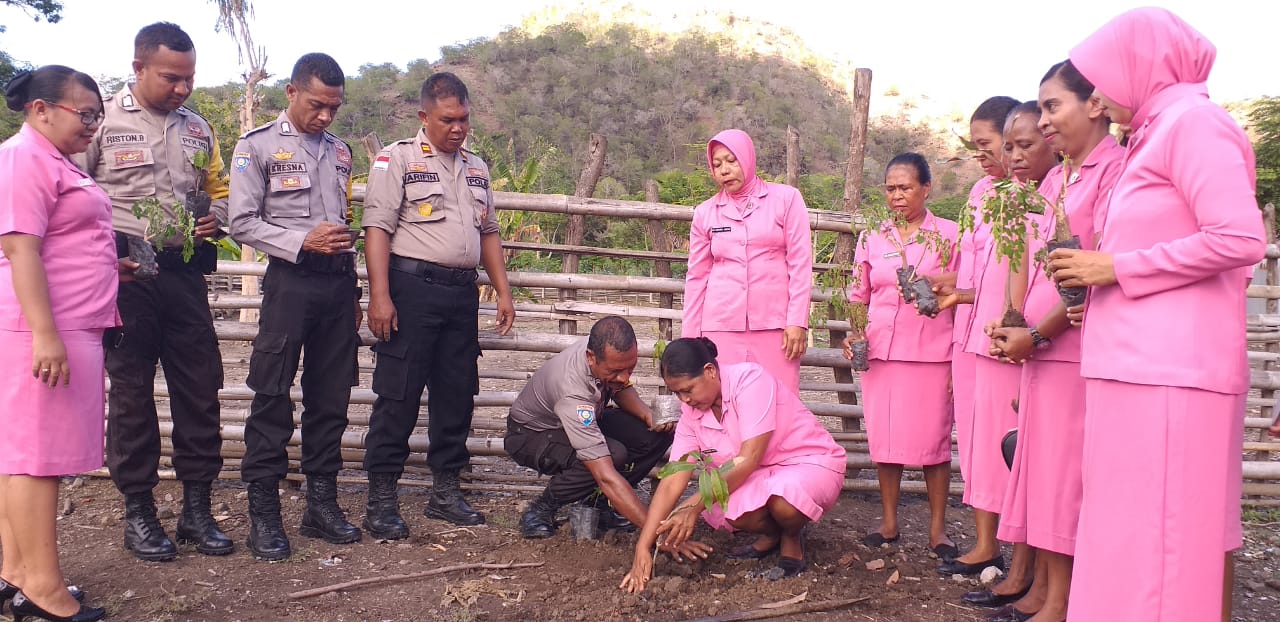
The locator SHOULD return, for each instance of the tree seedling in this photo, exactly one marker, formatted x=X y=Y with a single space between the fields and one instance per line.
x=159 y=226
x=713 y=490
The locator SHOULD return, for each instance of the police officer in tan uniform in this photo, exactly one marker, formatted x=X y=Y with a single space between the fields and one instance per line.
x=428 y=219
x=290 y=196
x=561 y=425
x=148 y=147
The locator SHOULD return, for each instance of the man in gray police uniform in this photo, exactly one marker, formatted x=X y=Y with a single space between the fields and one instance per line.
x=290 y=196
x=429 y=219
x=560 y=426
x=147 y=148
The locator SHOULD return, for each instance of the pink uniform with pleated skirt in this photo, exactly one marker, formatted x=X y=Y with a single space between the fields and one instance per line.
x=1164 y=348
x=801 y=463
x=969 y=268
x=750 y=268
x=906 y=405
x=50 y=431
x=1042 y=500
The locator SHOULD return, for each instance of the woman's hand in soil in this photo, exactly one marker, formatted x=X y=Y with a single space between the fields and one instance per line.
x=690 y=550
x=49 y=358
x=679 y=526
x=1012 y=345
x=640 y=573
x=795 y=339
x=1076 y=268
x=1076 y=315
x=382 y=317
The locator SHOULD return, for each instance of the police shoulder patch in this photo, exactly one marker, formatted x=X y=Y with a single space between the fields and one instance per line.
x=586 y=414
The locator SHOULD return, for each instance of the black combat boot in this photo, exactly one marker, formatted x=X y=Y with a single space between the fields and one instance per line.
x=323 y=518
x=142 y=531
x=608 y=519
x=382 y=512
x=266 y=533
x=447 y=503
x=196 y=525
x=539 y=521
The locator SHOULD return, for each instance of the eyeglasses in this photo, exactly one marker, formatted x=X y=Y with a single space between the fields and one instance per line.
x=89 y=118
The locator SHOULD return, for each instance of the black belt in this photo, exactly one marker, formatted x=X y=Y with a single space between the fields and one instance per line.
x=434 y=273
x=344 y=263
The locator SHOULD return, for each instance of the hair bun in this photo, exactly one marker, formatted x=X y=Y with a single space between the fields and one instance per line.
x=15 y=92
x=710 y=345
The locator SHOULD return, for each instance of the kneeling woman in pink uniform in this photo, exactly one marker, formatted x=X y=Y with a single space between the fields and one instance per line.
x=907 y=410
x=1163 y=353
x=788 y=470
x=58 y=281
x=750 y=265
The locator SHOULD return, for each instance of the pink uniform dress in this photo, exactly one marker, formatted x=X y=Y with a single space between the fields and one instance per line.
x=1042 y=502
x=801 y=463
x=54 y=431
x=750 y=268
x=969 y=266
x=1163 y=350
x=906 y=404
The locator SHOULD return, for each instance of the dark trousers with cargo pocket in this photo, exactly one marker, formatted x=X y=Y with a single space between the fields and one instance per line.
x=435 y=348
x=308 y=316
x=635 y=450
x=165 y=320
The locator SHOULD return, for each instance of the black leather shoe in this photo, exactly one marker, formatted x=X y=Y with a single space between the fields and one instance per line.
x=266 y=533
x=447 y=503
x=23 y=609
x=9 y=590
x=991 y=600
x=610 y=520
x=142 y=531
x=196 y=525
x=382 y=511
x=539 y=520
x=959 y=567
x=323 y=518
x=1010 y=614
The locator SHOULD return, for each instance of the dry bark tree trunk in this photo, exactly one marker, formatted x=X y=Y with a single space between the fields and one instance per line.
x=577 y=225
x=852 y=202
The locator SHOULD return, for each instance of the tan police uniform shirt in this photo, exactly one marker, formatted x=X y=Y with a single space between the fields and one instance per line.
x=138 y=154
x=564 y=394
x=434 y=205
x=280 y=192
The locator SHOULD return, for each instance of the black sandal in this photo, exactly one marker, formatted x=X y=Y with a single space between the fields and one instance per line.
x=747 y=551
x=875 y=539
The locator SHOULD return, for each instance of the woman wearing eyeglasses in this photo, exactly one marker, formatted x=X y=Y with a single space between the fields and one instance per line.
x=57 y=296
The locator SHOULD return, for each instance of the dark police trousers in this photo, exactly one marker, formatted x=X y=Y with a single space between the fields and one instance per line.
x=634 y=447
x=436 y=348
x=165 y=319
x=311 y=314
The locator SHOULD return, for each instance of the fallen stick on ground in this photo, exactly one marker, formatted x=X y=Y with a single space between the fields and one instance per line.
x=406 y=577
x=761 y=614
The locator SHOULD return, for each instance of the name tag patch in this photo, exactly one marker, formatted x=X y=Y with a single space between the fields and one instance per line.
x=891 y=254
x=193 y=142
x=419 y=177
x=478 y=182
x=286 y=168
x=721 y=229
x=84 y=182
x=111 y=140
x=586 y=414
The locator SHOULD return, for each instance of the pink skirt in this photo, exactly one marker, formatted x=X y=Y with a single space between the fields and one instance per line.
x=763 y=347
x=1160 y=505
x=810 y=488
x=995 y=389
x=907 y=412
x=51 y=431
x=962 y=370
x=1042 y=502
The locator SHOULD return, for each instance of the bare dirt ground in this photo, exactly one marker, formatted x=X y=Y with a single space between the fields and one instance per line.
x=578 y=580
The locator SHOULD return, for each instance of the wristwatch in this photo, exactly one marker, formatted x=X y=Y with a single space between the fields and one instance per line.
x=1039 y=341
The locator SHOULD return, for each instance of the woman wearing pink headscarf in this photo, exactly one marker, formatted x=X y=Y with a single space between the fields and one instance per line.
x=1163 y=351
x=750 y=265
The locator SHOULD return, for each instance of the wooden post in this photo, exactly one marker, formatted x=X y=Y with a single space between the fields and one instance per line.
x=577 y=226
x=372 y=145
x=657 y=231
x=793 y=157
x=852 y=201
x=248 y=110
x=1272 y=306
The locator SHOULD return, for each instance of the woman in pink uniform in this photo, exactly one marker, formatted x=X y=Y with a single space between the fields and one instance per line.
x=1029 y=158
x=787 y=470
x=907 y=407
x=1042 y=502
x=750 y=265
x=1163 y=351
x=57 y=294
